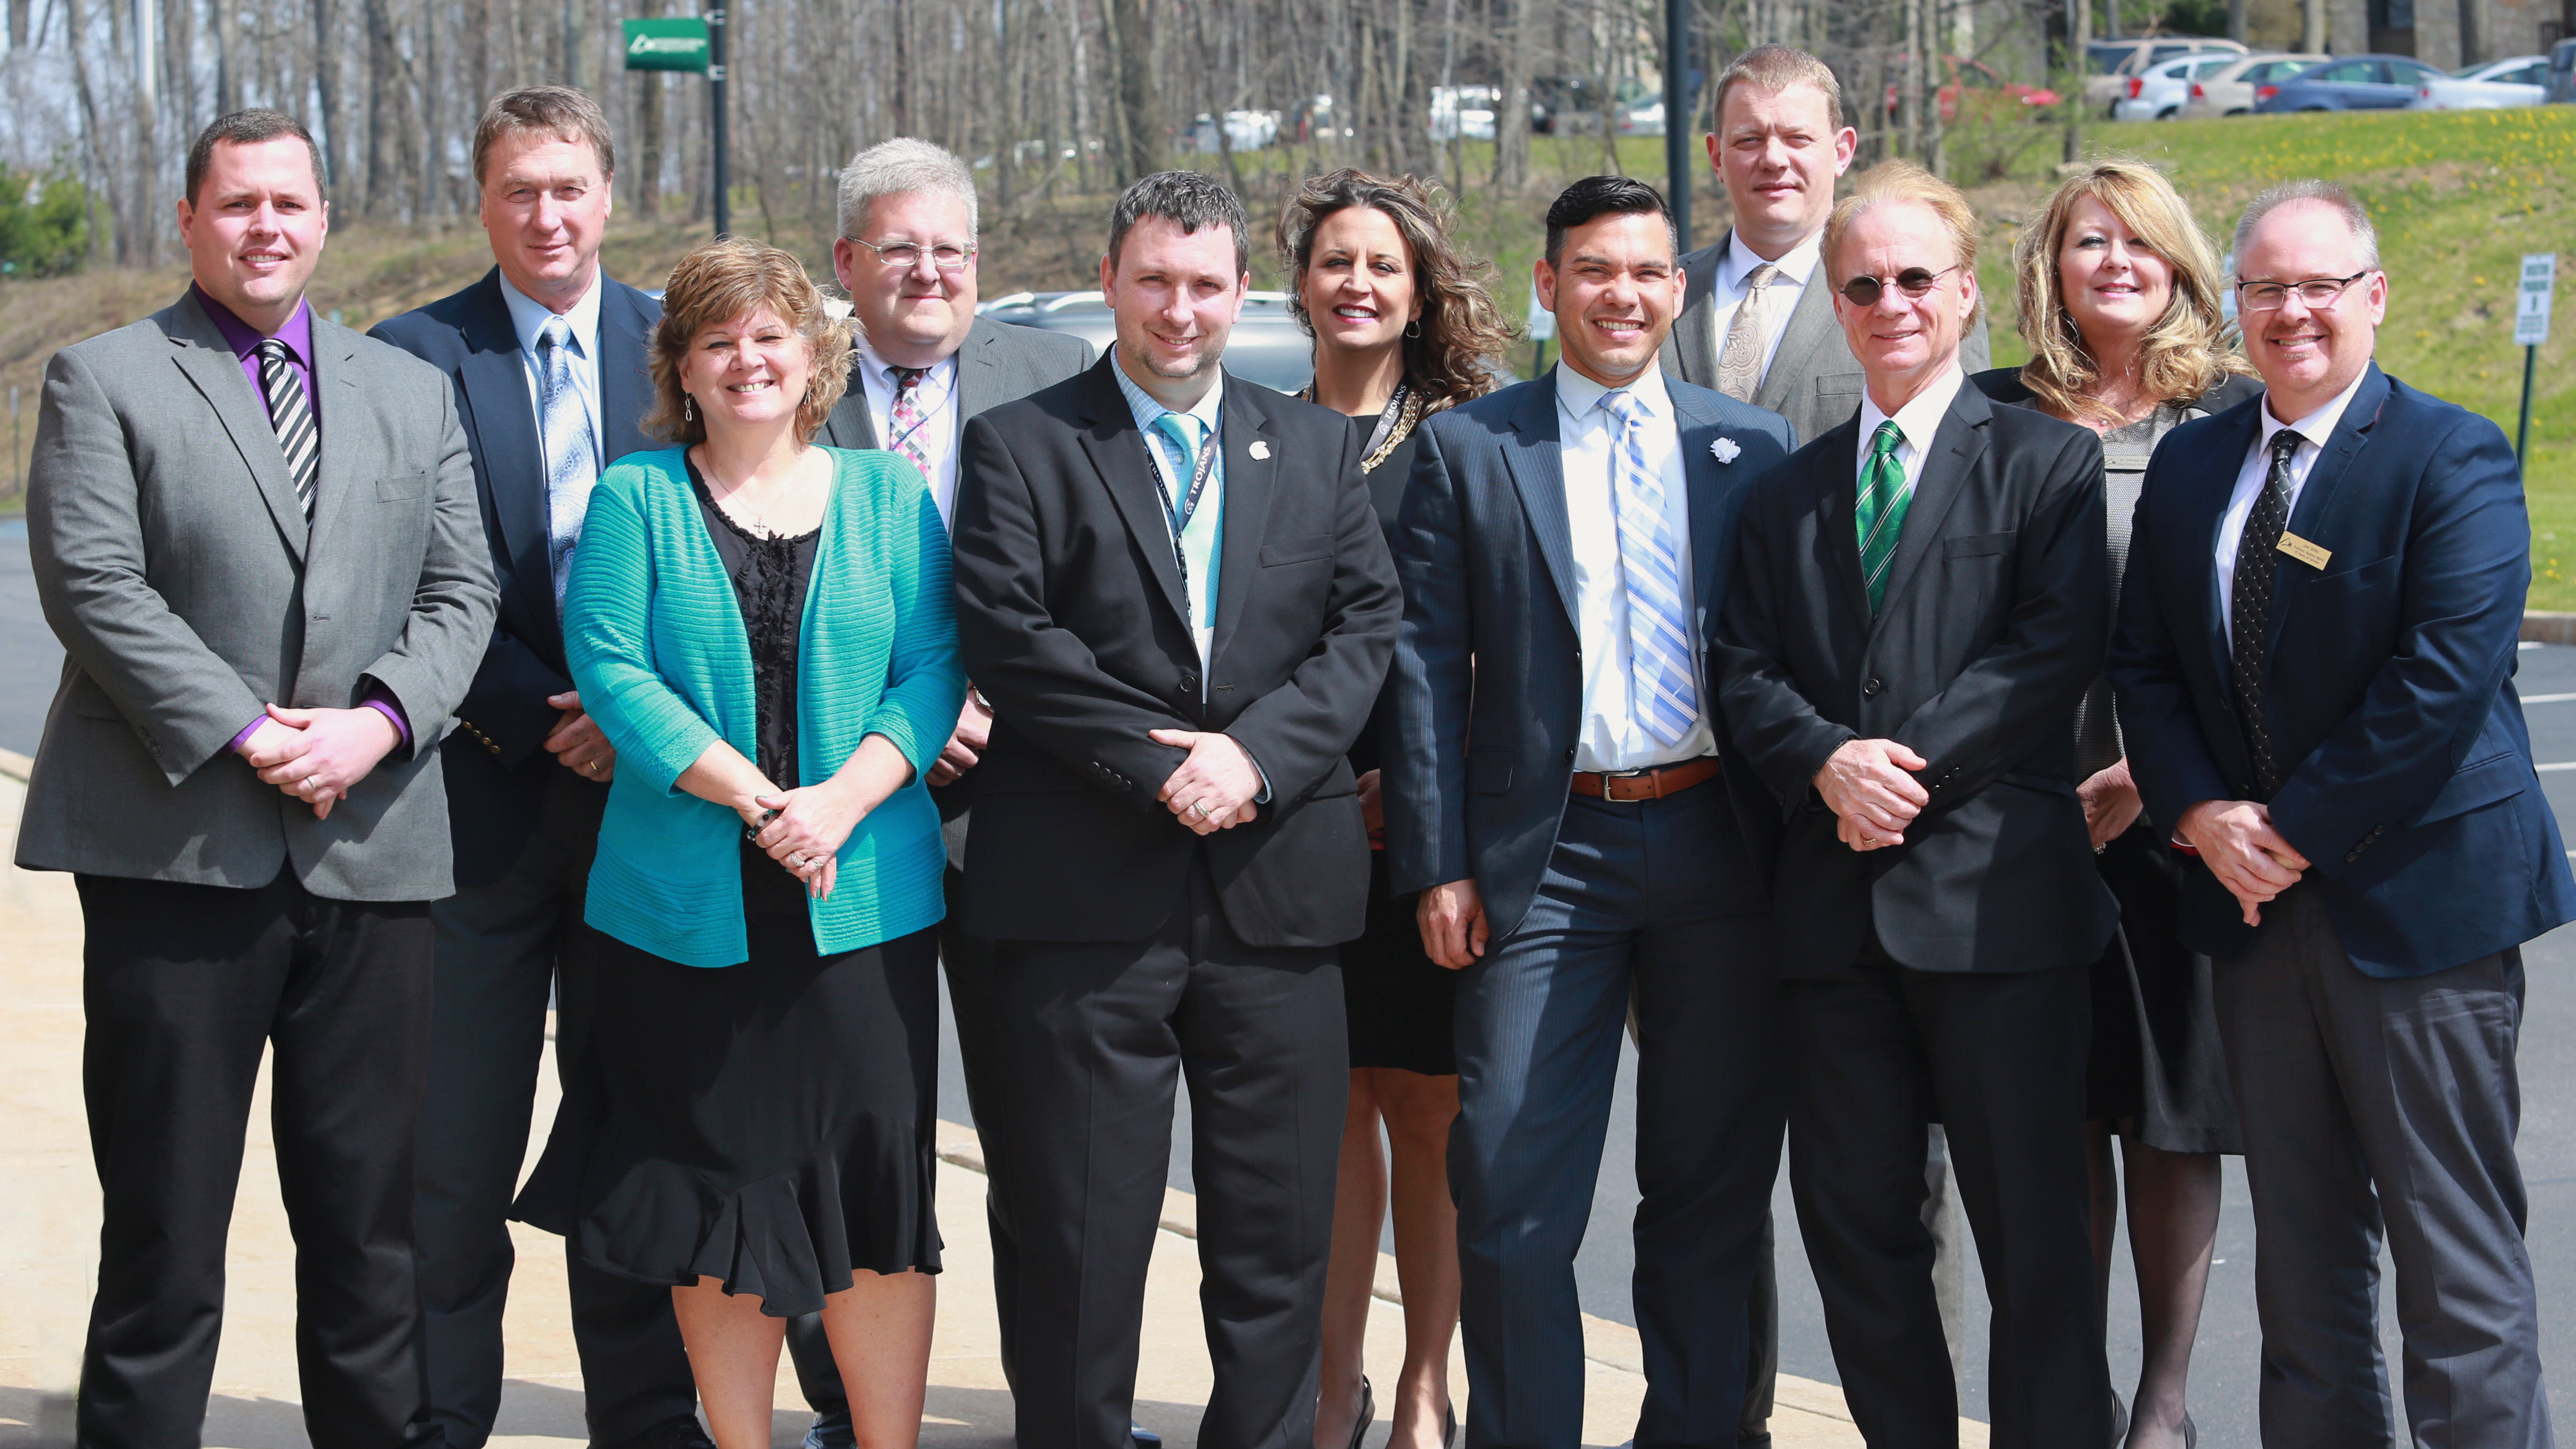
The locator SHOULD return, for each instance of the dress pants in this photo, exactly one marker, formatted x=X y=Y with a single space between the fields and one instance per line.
x=504 y=948
x=1877 y=1052
x=968 y=959
x=1655 y=898
x=1093 y=1038
x=2376 y=1105
x=184 y=985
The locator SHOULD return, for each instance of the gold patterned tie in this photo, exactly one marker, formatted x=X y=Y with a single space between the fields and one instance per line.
x=1739 y=368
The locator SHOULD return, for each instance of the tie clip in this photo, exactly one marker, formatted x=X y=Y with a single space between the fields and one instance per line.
x=2304 y=551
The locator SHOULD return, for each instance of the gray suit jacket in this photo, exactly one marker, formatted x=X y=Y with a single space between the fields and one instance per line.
x=1814 y=381
x=998 y=362
x=176 y=566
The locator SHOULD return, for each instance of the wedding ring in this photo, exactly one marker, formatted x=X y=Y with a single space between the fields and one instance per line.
x=1869 y=840
x=797 y=860
x=592 y=767
x=309 y=779
x=1200 y=810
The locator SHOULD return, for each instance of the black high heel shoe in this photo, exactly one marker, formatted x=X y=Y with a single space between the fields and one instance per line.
x=1368 y=1412
x=1449 y=1428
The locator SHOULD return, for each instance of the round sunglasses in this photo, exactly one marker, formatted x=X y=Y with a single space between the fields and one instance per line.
x=1913 y=282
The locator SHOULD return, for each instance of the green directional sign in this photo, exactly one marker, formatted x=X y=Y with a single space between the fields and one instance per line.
x=674 y=44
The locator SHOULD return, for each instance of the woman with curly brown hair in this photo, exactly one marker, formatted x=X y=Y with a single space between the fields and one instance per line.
x=2119 y=299
x=1403 y=326
x=765 y=630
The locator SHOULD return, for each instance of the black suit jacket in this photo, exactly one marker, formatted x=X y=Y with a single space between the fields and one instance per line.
x=1488 y=678
x=1996 y=618
x=1069 y=611
x=495 y=764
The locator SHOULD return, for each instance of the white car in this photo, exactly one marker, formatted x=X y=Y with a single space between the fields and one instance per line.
x=2159 y=92
x=1463 y=112
x=2112 y=64
x=2233 y=90
x=2521 y=81
x=1642 y=118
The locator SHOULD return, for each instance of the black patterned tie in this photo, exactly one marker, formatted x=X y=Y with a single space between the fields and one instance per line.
x=2250 y=604
x=292 y=416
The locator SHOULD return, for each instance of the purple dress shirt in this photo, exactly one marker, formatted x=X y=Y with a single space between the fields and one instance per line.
x=297 y=334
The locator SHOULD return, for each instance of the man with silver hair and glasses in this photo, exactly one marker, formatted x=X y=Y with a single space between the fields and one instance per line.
x=2314 y=663
x=922 y=363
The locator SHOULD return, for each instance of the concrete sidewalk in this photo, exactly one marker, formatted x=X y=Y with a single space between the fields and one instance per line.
x=49 y=1237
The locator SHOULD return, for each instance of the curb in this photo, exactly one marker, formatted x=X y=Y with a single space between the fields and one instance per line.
x=2547 y=626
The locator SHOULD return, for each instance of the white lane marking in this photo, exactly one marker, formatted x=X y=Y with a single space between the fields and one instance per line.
x=2547 y=698
x=2561 y=765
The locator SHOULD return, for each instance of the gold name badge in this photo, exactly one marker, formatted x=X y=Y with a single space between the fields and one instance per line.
x=2304 y=551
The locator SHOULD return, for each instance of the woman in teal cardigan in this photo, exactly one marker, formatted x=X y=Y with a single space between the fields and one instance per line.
x=763 y=629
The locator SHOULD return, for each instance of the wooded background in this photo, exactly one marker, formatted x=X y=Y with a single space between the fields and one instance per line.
x=1052 y=99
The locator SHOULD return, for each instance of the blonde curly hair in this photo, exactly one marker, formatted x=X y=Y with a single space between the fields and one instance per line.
x=2184 y=354
x=718 y=283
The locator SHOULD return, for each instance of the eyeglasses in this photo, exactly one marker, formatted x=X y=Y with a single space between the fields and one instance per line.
x=2319 y=293
x=1913 y=282
x=904 y=256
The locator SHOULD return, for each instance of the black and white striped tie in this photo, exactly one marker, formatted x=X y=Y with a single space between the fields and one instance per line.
x=292 y=416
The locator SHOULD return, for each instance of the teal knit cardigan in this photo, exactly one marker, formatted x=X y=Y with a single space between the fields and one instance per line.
x=660 y=655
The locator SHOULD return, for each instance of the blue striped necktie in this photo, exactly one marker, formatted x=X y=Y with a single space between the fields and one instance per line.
x=1664 y=692
x=572 y=462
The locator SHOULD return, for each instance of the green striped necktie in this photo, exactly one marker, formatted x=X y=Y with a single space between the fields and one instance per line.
x=1885 y=494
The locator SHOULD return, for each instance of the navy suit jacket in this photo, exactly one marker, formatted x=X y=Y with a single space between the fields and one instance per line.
x=495 y=763
x=2388 y=683
x=1488 y=674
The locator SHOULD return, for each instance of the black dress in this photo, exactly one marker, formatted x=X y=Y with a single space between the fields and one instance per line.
x=1398 y=1002
x=768 y=1125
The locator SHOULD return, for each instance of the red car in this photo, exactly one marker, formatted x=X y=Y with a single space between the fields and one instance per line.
x=1985 y=88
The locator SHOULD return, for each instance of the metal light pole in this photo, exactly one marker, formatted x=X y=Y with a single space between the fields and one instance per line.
x=1679 y=115
x=716 y=103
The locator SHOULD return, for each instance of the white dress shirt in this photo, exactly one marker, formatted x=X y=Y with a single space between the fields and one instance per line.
x=1918 y=420
x=2314 y=429
x=936 y=396
x=1611 y=738
x=1727 y=289
x=1201 y=550
x=528 y=319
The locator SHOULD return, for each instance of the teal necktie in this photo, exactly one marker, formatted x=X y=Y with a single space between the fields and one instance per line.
x=1885 y=494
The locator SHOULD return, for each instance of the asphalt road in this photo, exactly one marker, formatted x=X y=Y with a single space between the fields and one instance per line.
x=2224 y=1368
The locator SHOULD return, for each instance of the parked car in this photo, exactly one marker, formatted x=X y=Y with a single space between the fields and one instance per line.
x=2521 y=81
x=1244 y=131
x=2110 y=63
x=2231 y=90
x=2356 y=83
x=1267 y=346
x=2562 y=72
x=2159 y=92
x=1644 y=117
x=1566 y=105
x=1983 y=90
x=1463 y=112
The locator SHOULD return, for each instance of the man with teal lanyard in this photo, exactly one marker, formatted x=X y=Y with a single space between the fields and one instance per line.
x=1172 y=587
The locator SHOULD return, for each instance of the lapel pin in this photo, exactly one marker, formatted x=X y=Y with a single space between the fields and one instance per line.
x=1260 y=448
x=1725 y=450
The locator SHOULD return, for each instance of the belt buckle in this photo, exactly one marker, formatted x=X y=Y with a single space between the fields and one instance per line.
x=1609 y=775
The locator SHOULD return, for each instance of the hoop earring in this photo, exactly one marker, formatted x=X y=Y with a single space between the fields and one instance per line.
x=1413 y=329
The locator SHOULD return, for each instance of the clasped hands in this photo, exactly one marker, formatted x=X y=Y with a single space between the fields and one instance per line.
x=319 y=755
x=1215 y=787
x=804 y=830
x=2236 y=841
x=1870 y=787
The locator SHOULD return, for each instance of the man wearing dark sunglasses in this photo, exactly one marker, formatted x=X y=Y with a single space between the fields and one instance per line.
x=1921 y=598
x=2315 y=675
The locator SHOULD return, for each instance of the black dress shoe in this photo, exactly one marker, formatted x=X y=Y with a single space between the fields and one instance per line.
x=1142 y=1437
x=679 y=1432
x=832 y=1431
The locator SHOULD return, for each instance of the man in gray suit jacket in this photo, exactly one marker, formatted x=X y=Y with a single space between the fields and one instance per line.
x=922 y=364
x=1779 y=144
x=255 y=534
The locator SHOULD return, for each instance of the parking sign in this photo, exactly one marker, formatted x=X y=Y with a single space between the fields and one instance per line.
x=2531 y=303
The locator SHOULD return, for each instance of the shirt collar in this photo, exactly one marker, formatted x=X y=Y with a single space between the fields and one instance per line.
x=1918 y=419
x=877 y=366
x=1579 y=395
x=244 y=339
x=528 y=317
x=1208 y=410
x=2317 y=426
x=1797 y=265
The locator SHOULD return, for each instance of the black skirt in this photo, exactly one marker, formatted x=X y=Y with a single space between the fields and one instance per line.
x=767 y=1125
x=2157 y=1069
x=1398 y=1002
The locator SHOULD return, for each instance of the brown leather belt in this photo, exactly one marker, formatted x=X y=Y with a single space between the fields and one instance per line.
x=1652 y=784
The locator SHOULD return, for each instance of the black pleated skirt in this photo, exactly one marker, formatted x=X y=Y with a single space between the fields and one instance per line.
x=768 y=1125
x=2157 y=1068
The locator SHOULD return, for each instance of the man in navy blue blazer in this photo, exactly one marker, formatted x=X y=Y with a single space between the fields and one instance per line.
x=1552 y=791
x=2314 y=663
x=545 y=356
